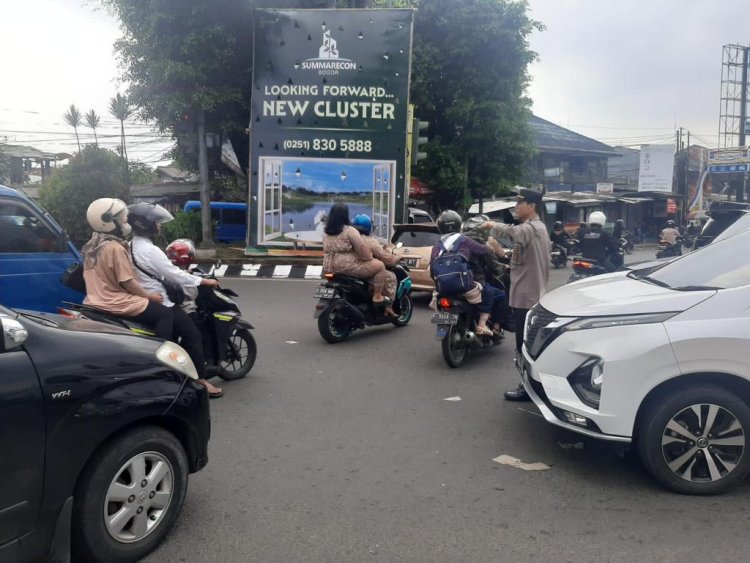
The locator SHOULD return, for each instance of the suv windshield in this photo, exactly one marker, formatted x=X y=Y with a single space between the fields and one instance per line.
x=721 y=265
x=417 y=238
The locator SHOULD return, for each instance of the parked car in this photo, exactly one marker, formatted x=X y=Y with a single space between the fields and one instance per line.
x=655 y=357
x=34 y=252
x=418 y=240
x=100 y=429
x=229 y=218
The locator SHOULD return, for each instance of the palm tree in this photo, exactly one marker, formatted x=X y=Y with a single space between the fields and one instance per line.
x=121 y=110
x=73 y=118
x=92 y=120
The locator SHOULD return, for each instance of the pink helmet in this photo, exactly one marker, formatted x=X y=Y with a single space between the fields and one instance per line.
x=181 y=252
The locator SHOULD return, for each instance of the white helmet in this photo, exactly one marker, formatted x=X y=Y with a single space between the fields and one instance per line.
x=108 y=215
x=597 y=218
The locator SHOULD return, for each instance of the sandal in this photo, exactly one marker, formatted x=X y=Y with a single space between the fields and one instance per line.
x=212 y=394
x=483 y=331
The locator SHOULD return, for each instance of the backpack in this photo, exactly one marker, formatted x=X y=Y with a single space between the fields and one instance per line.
x=451 y=270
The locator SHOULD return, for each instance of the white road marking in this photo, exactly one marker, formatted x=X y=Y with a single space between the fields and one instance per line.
x=250 y=270
x=282 y=271
x=314 y=272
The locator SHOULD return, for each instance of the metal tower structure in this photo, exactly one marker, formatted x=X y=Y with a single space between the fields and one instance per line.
x=735 y=92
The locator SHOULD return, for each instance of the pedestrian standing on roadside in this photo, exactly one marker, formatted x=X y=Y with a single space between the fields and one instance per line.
x=529 y=267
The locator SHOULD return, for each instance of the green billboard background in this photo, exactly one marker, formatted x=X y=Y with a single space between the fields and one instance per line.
x=328 y=120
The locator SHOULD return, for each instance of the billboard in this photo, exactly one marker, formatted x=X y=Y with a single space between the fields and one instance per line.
x=656 y=168
x=328 y=120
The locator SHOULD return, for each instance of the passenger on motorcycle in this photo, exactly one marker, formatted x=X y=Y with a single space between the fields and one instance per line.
x=111 y=284
x=363 y=224
x=153 y=267
x=488 y=272
x=449 y=226
x=344 y=252
x=599 y=245
x=670 y=233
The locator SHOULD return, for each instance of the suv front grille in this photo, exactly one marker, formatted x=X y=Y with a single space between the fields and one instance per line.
x=537 y=319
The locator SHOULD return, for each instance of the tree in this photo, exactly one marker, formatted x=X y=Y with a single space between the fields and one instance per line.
x=191 y=75
x=73 y=118
x=469 y=79
x=91 y=174
x=120 y=109
x=92 y=121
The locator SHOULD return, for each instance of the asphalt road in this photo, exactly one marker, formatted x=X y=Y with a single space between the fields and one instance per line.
x=350 y=452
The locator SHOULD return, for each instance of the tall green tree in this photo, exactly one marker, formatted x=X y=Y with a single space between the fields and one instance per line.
x=121 y=110
x=470 y=73
x=91 y=174
x=73 y=118
x=189 y=66
x=92 y=121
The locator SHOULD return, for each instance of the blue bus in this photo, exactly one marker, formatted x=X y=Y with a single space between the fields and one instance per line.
x=229 y=218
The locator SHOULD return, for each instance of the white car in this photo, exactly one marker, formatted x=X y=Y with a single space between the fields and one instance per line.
x=659 y=357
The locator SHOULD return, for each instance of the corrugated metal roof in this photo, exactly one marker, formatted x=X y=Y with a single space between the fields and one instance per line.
x=551 y=137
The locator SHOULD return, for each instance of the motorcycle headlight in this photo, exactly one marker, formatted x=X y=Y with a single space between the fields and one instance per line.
x=174 y=356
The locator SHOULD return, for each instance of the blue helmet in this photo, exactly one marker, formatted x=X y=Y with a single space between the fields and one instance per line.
x=362 y=223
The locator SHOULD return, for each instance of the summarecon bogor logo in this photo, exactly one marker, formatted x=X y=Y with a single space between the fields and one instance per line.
x=328 y=61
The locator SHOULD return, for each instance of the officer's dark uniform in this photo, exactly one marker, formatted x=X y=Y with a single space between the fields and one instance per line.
x=598 y=245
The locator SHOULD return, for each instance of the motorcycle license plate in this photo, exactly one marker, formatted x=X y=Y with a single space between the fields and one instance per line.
x=324 y=292
x=444 y=319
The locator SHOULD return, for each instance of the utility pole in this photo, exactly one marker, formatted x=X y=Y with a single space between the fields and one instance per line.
x=686 y=182
x=743 y=94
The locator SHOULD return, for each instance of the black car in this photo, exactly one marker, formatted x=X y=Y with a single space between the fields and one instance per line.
x=722 y=214
x=100 y=429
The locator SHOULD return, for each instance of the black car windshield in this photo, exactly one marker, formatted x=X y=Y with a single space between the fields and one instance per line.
x=417 y=238
x=720 y=265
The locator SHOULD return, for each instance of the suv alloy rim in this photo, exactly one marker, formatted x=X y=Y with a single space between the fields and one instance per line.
x=138 y=497
x=703 y=443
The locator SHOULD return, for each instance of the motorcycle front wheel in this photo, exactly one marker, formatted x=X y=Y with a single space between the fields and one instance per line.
x=239 y=355
x=404 y=309
x=333 y=326
x=454 y=349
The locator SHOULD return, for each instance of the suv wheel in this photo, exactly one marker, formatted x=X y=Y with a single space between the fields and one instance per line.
x=696 y=440
x=129 y=496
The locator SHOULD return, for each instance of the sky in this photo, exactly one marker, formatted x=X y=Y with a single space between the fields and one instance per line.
x=325 y=176
x=625 y=72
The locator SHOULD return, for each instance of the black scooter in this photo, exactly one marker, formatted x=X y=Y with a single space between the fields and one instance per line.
x=345 y=305
x=228 y=344
x=558 y=256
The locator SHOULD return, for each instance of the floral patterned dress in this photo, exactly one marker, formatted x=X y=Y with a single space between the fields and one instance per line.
x=347 y=253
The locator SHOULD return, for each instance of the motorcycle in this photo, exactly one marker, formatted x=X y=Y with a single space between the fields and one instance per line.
x=586 y=268
x=456 y=321
x=573 y=247
x=626 y=243
x=558 y=256
x=345 y=305
x=228 y=344
x=667 y=249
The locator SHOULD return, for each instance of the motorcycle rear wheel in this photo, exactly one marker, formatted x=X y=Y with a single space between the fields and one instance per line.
x=333 y=327
x=239 y=356
x=454 y=350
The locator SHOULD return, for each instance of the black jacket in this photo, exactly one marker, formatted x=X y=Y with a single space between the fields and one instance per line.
x=598 y=245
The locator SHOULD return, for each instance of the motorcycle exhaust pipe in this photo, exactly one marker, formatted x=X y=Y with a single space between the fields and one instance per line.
x=471 y=340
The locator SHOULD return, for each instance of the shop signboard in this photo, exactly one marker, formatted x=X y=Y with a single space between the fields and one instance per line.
x=329 y=115
x=656 y=168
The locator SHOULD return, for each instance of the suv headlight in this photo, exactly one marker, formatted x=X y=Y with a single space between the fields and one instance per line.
x=619 y=320
x=174 y=356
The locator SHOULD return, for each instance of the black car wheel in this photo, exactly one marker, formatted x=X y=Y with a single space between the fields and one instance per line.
x=696 y=440
x=129 y=496
x=333 y=326
x=454 y=347
x=239 y=356
x=404 y=308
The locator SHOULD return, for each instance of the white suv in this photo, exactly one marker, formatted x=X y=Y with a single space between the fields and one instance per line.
x=659 y=357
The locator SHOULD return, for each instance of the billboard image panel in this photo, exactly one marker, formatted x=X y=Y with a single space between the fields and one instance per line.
x=656 y=168
x=328 y=119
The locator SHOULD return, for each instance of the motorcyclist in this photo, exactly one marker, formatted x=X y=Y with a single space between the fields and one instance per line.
x=598 y=244
x=449 y=226
x=619 y=230
x=363 y=224
x=153 y=267
x=670 y=232
x=487 y=271
x=559 y=237
x=111 y=284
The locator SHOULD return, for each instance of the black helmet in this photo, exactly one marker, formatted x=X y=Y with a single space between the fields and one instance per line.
x=144 y=217
x=620 y=222
x=557 y=225
x=449 y=222
x=671 y=223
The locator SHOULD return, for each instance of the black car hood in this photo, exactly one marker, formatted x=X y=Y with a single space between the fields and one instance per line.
x=77 y=325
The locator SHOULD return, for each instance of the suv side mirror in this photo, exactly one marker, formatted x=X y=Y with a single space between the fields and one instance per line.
x=14 y=334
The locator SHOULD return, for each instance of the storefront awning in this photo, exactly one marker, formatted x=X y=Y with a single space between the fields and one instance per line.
x=634 y=200
x=493 y=206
